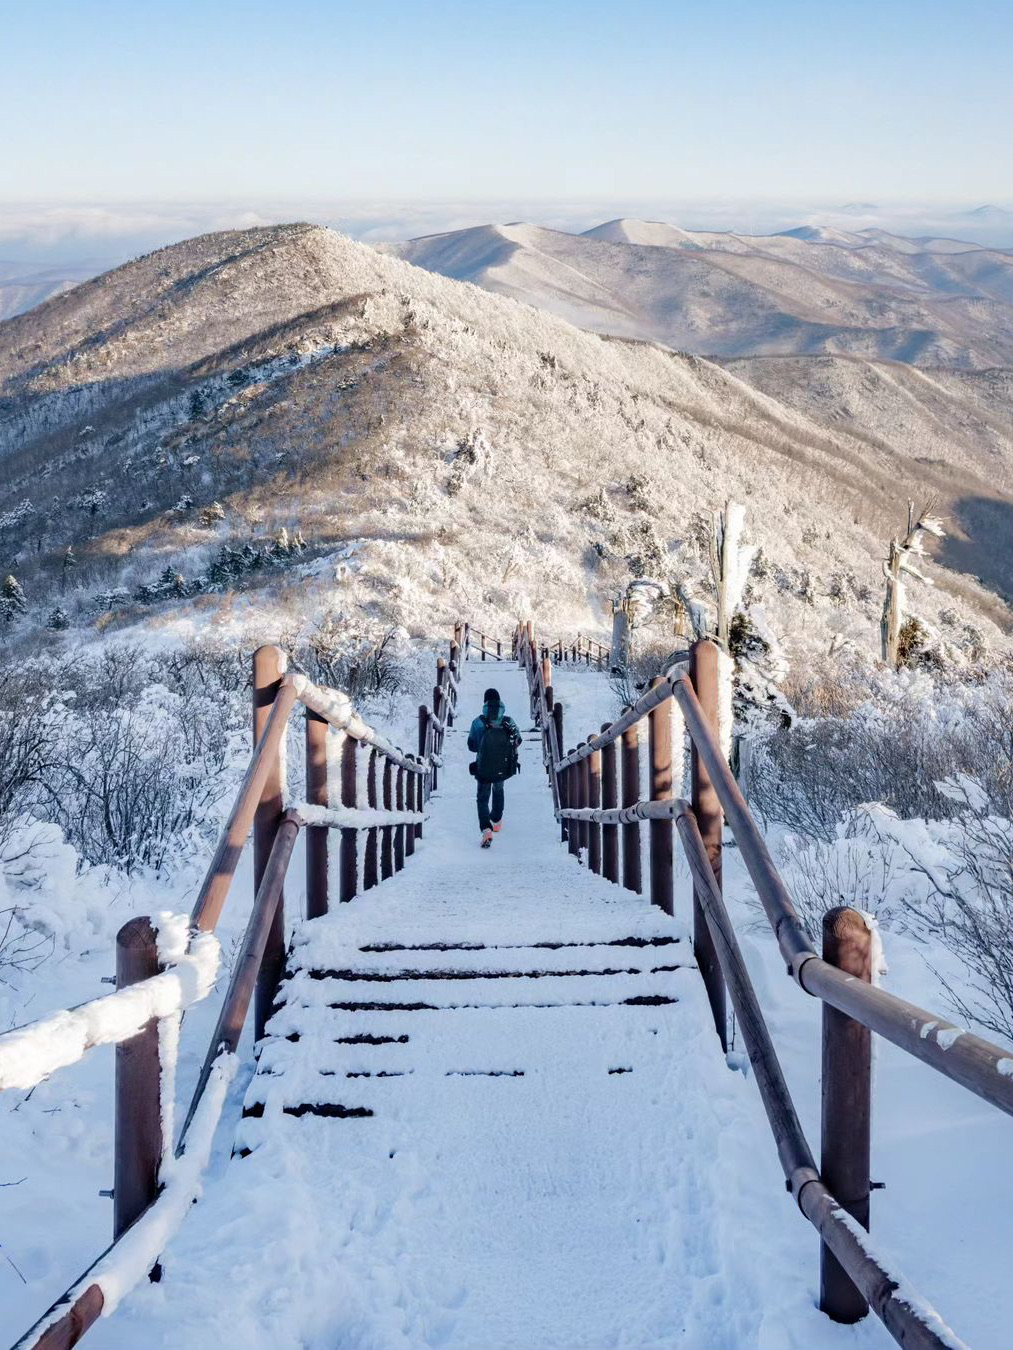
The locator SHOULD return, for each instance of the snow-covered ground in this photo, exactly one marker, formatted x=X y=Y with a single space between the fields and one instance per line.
x=556 y=1204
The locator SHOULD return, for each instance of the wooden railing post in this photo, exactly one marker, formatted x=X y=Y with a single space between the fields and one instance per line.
x=316 y=835
x=369 y=869
x=594 y=801
x=499 y=648
x=138 y=1111
x=387 y=831
x=661 y=831
x=609 y=800
x=269 y=664
x=547 y=681
x=847 y=1106
x=703 y=673
x=630 y=770
x=348 y=884
x=483 y=646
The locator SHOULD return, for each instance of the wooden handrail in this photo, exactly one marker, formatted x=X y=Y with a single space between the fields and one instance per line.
x=961 y=1056
x=79 y=1308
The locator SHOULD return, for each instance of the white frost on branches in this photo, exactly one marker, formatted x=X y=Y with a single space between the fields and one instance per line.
x=730 y=562
x=902 y=562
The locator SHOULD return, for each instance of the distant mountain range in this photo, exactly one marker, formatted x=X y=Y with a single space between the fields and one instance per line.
x=809 y=290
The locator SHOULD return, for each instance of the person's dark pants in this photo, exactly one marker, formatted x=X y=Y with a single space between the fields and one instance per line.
x=484 y=818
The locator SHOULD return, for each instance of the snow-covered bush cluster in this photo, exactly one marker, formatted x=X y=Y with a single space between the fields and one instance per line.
x=124 y=750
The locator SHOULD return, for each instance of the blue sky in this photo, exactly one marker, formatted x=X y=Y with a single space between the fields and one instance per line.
x=104 y=101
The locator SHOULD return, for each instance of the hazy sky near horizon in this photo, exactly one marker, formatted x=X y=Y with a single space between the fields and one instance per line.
x=106 y=100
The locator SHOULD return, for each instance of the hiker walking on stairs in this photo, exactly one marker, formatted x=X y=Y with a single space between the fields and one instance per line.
x=494 y=738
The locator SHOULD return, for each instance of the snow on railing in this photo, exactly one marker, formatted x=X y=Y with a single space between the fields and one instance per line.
x=31 y=1053
x=338 y=711
x=125 y=1264
x=356 y=817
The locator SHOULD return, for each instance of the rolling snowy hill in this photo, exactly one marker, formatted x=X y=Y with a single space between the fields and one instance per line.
x=809 y=290
x=440 y=449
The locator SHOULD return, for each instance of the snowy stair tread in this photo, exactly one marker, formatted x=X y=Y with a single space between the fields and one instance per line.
x=352 y=1042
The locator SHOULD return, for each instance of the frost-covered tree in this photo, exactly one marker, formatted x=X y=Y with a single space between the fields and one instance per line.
x=69 y=562
x=730 y=561
x=58 y=619
x=210 y=515
x=900 y=563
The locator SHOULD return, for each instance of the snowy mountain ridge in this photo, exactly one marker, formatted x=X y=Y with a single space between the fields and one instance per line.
x=446 y=449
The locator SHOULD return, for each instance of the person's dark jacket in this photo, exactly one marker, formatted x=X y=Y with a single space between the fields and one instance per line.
x=495 y=716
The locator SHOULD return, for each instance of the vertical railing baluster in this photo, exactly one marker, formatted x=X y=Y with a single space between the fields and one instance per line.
x=387 y=831
x=399 y=830
x=348 y=883
x=584 y=793
x=609 y=801
x=316 y=835
x=594 y=801
x=661 y=831
x=411 y=785
x=369 y=868
x=630 y=767
x=269 y=665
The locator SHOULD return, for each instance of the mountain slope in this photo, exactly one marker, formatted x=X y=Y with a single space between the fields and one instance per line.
x=804 y=291
x=442 y=450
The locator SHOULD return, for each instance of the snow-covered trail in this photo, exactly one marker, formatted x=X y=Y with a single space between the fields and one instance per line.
x=491 y=1115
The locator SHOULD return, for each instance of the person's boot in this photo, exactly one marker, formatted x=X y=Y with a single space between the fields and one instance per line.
x=486 y=838
x=497 y=825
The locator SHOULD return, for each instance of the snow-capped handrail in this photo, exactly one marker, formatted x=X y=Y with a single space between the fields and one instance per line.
x=163 y=1184
x=591 y=818
x=31 y=1053
x=338 y=711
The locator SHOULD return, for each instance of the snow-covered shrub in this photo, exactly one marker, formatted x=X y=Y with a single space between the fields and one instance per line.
x=912 y=731
x=28 y=726
x=648 y=658
x=965 y=867
x=23 y=948
x=340 y=655
x=858 y=867
x=138 y=776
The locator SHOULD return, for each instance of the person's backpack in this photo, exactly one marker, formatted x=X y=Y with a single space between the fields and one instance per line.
x=497 y=753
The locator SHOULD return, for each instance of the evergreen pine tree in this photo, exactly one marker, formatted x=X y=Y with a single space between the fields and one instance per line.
x=58 y=619
x=13 y=594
